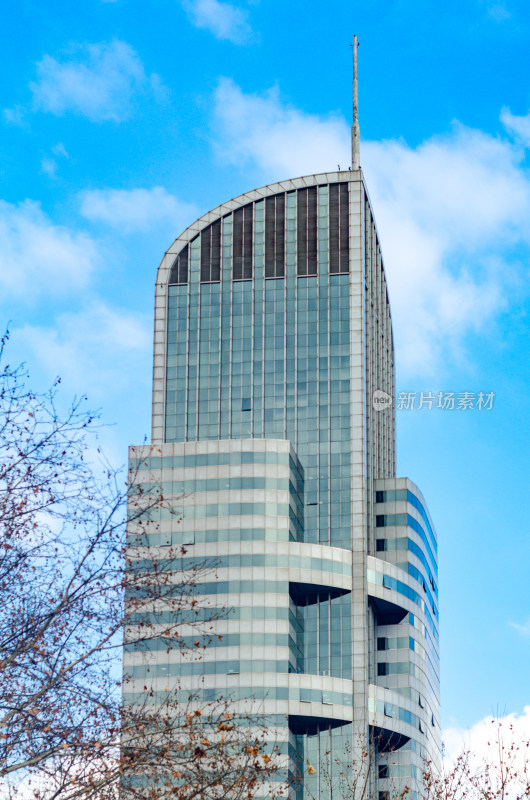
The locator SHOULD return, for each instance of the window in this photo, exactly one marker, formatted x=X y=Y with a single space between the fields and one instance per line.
x=307 y=231
x=338 y=228
x=275 y=236
x=179 y=268
x=211 y=253
x=242 y=264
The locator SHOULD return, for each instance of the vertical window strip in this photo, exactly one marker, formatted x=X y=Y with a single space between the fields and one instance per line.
x=312 y=230
x=179 y=269
x=215 y=272
x=247 y=240
x=344 y=237
x=206 y=250
x=242 y=268
x=323 y=232
x=307 y=231
x=238 y=245
x=280 y=236
x=301 y=230
x=211 y=253
x=275 y=236
x=339 y=242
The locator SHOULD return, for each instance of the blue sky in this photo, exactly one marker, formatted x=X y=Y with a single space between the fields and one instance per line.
x=123 y=121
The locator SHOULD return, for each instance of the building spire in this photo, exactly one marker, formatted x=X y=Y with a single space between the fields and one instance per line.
x=355 y=118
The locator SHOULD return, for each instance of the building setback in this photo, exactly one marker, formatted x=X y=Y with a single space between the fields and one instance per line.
x=272 y=333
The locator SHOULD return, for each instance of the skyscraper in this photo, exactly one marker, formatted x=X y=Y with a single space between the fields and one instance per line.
x=274 y=433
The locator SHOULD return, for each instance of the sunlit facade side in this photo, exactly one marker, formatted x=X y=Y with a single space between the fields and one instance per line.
x=272 y=333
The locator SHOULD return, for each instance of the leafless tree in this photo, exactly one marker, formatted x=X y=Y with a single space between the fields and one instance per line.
x=500 y=772
x=347 y=772
x=64 y=733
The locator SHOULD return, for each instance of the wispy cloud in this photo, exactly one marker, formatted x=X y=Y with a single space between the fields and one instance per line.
x=38 y=257
x=224 y=20
x=496 y=10
x=518 y=126
x=482 y=740
x=136 y=209
x=523 y=629
x=15 y=116
x=98 y=348
x=451 y=214
x=49 y=167
x=99 y=81
x=451 y=211
x=49 y=164
x=282 y=141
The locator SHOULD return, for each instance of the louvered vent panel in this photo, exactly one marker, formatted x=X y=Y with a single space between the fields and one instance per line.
x=339 y=234
x=215 y=273
x=280 y=235
x=301 y=232
x=238 y=244
x=247 y=240
x=206 y=241
x=275 y=236
x=179 y=269
x=312 y=230
x=344 y=229
x=334 y=253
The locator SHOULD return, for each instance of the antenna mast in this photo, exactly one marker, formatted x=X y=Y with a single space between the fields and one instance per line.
x=355 y=117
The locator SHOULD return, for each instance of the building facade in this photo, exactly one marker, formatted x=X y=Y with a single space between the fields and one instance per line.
x=272 y=333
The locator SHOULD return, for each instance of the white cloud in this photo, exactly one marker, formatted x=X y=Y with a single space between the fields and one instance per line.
x=136 y=209
x=15 y=116
x=499 y=13
x=496 y=10
x=523 y=629
x=224 y=20
x=492 y=742
x=281 y=140
x=98 y=349
x=60 y=150
x=518 y=126
x=49 y=165
x=99 y=82
x=450 y=212
x=39 y=257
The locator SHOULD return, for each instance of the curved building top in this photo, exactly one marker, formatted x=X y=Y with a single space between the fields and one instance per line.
x=318 y=227
x=166 y=272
